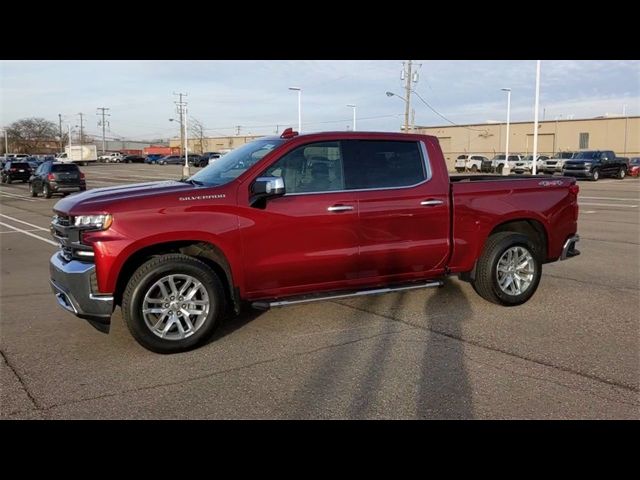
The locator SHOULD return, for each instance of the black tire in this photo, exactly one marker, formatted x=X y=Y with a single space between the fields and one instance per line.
x=46 y=191
x=595 y=175
x=9 y=180
x=486 y=282
x=621 y=173
x=474 y=168
x=499 y=169
x=33 y=191
x=4 y=179
x=460 y=170
x=151 y=271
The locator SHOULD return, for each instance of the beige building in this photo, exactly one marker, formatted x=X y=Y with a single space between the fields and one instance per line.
x=214 y=144
x=620 y=134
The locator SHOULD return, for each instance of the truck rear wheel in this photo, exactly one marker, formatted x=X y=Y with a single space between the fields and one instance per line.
x=173 y=303
x=509 y=269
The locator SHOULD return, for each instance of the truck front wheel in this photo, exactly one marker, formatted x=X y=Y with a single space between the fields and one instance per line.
x=173 y=303
x=508 y=270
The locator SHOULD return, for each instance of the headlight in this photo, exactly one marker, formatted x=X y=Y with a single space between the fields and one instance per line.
x=101 y=222
x=587 y=164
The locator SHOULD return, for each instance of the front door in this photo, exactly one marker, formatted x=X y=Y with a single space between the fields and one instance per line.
x=306 y=240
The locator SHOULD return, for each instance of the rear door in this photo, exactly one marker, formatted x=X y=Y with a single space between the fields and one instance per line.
x=404 y=211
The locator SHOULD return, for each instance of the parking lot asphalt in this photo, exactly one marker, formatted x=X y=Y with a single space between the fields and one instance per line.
x=571 y=352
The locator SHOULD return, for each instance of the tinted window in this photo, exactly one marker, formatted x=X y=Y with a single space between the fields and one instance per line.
x=316 y=167
x=19 y=165
x=462 y=157
x=64 y=167
x=383 y=164
x=513 y=158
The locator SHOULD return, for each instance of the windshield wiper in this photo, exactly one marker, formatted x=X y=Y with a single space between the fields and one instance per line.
x=191 y=181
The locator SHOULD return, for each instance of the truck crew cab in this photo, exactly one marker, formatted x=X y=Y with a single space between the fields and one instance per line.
x=298 y=218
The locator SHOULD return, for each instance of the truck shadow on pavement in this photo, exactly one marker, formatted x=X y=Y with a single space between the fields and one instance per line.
x=394 y=371
x=443 y=389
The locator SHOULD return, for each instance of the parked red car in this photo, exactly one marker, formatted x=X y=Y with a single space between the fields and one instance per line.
x=634 y=167
x=298 y=218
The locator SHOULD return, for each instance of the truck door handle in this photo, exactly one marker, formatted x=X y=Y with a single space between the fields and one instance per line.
x=431 y=203
x=340 y=208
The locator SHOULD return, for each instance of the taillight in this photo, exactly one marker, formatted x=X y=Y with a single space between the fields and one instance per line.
x=81 y=176
x=574 y=189
x=51 y=176
x=13 y=169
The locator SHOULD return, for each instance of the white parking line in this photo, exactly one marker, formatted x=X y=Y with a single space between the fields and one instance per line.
x=13 y=231
x=609 y=205
x=51 y=242
x=16 y=197
x=26 y=223
x=609 y=198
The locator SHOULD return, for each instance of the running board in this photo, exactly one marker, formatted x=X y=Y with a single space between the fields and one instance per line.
x=266 y=305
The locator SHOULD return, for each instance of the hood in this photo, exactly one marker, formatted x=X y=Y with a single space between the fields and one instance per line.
x=96 y=199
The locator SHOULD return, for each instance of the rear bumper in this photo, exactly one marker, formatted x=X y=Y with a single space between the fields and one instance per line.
x=61 y=187
x=71 y=284
x=569 y=250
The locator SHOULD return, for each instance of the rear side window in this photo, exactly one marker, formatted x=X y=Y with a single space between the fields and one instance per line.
x=383 y=164
x=64 y=168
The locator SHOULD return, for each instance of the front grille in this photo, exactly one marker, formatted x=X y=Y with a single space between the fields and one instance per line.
x=68 y=236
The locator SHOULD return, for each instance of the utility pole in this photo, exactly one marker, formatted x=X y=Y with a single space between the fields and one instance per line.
x=626 y=120
x=103 y=124
x=6 y=142
x=60 y=127
x=407 y=96
x=182 y=111
x=238 y=129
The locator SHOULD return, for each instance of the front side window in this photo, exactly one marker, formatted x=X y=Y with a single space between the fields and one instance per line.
x=316 y=167
x=384 y=164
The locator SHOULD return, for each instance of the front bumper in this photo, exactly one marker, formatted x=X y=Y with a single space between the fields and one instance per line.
x=577 y=173
x=71 y=284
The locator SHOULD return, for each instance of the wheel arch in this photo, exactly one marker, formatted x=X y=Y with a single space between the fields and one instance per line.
x=207 y=252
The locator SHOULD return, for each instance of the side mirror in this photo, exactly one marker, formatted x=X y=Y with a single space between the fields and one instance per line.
x=264 y=188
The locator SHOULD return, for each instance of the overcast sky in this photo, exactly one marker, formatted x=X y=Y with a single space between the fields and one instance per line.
x=255 y=95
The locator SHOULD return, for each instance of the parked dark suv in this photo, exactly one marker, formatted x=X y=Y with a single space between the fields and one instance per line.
x=594 y=164
x=16 y=171
x=57 y=177
x=132 y=159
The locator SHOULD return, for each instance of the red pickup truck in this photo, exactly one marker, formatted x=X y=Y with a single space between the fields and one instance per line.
x=297 y=218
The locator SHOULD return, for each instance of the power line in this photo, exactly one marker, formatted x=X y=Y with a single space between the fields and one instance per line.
x=445 y=118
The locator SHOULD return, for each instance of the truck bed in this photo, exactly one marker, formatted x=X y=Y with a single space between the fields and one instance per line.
x=481 y=203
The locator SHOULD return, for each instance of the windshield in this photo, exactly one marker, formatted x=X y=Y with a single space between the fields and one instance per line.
x=528 y=158
x=587 y=155
x=462 y=157
x=235 y=163
x=635 y=161
x=499 y=157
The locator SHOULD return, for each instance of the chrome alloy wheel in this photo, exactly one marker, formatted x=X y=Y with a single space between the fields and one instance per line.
x=515 y=271
x=176 y=306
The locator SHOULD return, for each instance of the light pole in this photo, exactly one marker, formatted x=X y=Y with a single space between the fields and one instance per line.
x=299 y=90
x=352 y=105
x=6 y=142
x=535 y=122
x=406 y=118
x=506 y=169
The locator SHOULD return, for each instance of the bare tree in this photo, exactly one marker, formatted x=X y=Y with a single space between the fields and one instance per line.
x=196 y=131
x=31 y=135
